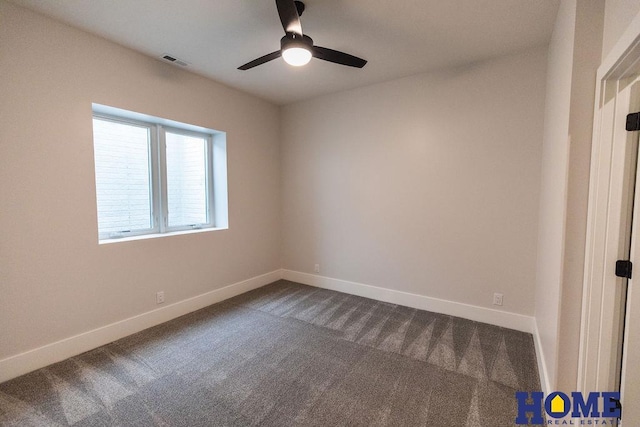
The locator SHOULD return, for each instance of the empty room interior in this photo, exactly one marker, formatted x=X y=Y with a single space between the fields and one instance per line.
x=406 y=227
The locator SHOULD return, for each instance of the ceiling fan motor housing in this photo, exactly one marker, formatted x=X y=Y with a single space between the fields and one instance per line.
x=293 y=40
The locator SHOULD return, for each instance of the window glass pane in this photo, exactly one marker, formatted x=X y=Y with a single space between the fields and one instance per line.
x=121 y=153
x=186 y=179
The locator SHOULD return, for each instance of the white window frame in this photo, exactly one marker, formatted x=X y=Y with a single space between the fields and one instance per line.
x=164 y=199
x=215 y=167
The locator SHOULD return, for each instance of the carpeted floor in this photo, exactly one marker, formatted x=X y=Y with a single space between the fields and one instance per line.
x=287 y=354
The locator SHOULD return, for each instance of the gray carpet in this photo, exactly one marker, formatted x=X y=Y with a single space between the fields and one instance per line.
x=287 y=354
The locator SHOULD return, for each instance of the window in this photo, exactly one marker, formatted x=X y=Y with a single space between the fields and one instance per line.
x=156 y=176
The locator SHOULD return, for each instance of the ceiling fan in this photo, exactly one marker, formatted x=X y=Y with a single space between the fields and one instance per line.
x=296 y=48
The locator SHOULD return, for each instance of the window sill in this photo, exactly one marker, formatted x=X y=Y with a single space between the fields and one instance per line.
x=156 y=235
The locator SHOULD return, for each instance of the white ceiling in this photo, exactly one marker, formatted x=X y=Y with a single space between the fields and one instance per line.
x=398 y=38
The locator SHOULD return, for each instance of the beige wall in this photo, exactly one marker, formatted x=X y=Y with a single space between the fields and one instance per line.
x=427 y=184
x=55 y=280
x=617 y=17
x=586 y=59
x=555 y=163
x=574 y=55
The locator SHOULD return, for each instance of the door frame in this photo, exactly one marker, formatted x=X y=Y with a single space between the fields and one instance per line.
x=607 y=196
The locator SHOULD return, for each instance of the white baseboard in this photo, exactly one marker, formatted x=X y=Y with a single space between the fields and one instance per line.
x=472 y=312
x=542 y=365
x=31 y=360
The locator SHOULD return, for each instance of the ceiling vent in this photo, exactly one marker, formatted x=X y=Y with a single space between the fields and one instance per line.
x=174 y=60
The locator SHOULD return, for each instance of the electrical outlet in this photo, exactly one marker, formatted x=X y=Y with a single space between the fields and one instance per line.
x=316 y=268
x=160 y=297
x=497 y=299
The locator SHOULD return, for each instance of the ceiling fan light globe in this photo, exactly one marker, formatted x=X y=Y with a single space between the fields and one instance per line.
x=296 y=56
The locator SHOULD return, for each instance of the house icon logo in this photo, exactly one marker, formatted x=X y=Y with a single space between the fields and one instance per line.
x=557 y=405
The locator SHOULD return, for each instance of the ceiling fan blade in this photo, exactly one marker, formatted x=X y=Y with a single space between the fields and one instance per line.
x=338 y=57
x=289 y=16
x=268 y=57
